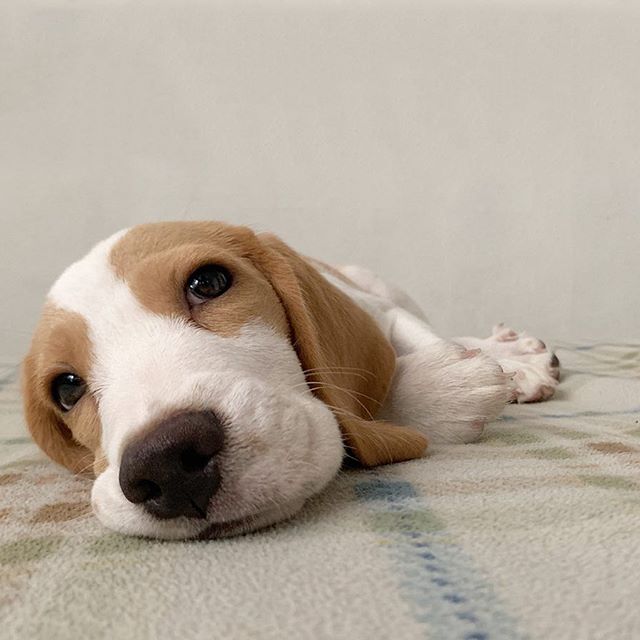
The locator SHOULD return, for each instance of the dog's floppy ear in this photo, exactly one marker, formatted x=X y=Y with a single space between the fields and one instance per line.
x=47 y=429
x=348 y=363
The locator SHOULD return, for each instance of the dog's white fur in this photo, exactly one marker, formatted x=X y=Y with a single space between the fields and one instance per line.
x=282 y=444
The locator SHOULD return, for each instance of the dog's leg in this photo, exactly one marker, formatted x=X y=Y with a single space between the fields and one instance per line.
x=448 y=392
x=444 y=389
x=536 y=369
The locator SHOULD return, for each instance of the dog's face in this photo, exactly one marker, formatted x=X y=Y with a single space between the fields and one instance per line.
x=210 y=378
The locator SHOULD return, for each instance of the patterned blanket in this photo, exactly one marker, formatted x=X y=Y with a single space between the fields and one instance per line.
x=534 y=532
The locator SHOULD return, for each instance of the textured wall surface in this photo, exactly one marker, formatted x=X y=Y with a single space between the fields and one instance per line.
x=485 y=155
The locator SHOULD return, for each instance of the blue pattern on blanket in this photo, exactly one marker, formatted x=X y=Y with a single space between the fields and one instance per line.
x=445 y=590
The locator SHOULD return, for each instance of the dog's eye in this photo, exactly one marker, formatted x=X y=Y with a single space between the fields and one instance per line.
x=67 y=389
x=207 y=282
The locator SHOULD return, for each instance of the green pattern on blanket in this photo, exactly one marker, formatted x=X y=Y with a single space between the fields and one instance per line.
x=532 y=532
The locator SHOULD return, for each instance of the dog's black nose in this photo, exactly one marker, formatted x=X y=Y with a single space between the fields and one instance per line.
x=172 y=470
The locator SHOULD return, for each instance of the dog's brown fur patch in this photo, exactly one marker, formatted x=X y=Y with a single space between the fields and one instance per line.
x=156 y=261
x=60 y=344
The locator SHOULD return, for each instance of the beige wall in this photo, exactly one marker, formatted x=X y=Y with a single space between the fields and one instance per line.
x=484 y=155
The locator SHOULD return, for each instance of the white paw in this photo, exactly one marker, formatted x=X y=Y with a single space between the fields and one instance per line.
x=447 y=391
x=534 y=368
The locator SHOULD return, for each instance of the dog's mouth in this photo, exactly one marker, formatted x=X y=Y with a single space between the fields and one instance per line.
x=185 y=528
x=249 y=523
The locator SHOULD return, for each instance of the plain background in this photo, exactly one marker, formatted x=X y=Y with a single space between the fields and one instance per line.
x=484 y=155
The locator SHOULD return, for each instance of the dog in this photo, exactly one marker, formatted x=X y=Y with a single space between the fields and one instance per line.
x=213 y=379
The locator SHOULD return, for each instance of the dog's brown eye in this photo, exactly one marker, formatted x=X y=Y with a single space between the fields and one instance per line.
x=206 y=283
x=67 y=389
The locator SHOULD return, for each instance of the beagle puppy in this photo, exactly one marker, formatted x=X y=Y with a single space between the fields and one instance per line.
x=213 y=379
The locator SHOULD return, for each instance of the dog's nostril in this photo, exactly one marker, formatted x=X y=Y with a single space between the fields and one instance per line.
x=147 y=490
x=142 y=490
x=192 y=461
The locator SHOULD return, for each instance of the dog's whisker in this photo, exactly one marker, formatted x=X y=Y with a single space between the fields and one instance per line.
x=343 y=412
x=337 y=387
x=336 y=369
x=337 y=373
x=347 y=392
x=93 y=461
x=329 y=370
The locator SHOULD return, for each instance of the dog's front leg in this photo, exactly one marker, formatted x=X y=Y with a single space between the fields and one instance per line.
x=446 y=390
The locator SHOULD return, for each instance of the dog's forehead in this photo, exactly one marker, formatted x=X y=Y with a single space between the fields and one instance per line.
x=82 y=286
x=145 y=240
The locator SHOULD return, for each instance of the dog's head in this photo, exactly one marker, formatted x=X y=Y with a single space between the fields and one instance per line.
x=210 y=377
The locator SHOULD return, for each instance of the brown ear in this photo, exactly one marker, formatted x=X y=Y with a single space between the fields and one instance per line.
x=348 y=362
x=47 y=429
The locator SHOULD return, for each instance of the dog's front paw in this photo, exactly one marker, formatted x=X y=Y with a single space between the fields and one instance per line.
x=448 y=391
x=536 y=369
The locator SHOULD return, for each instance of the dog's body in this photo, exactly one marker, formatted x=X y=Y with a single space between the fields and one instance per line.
x=214 y=379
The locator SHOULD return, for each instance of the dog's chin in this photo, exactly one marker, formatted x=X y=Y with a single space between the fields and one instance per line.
x=250 y=523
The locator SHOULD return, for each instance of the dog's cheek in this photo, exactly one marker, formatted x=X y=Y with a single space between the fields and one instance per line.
x=282 y=449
